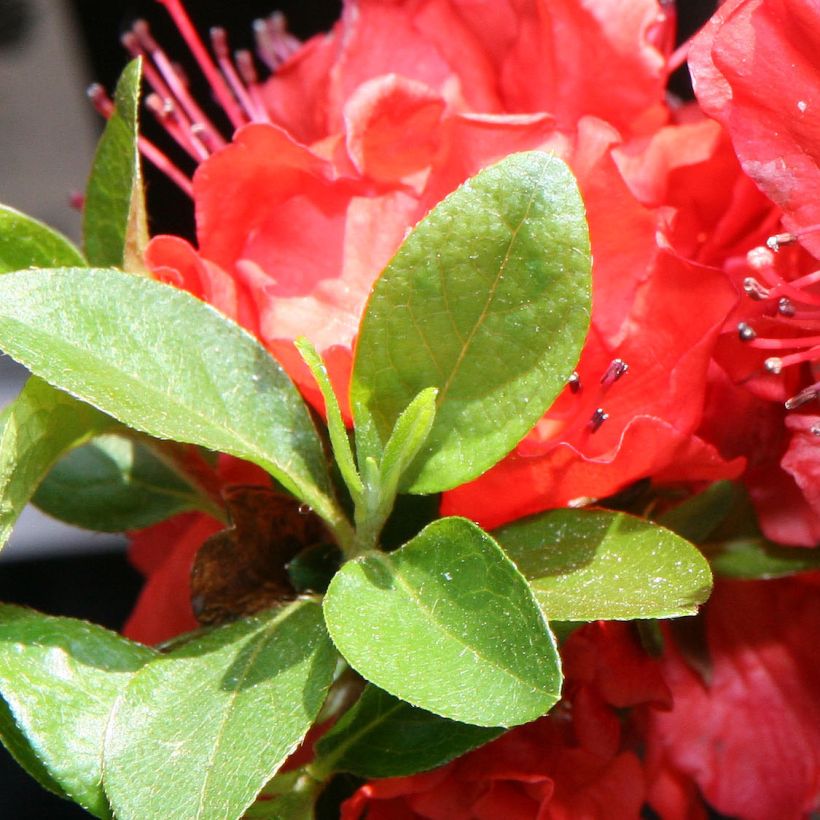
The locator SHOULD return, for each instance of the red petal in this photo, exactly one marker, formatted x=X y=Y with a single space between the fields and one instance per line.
x=751 y=739
x=755 y=69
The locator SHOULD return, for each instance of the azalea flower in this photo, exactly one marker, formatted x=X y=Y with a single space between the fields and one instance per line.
x=360 y=132
x=754 y=70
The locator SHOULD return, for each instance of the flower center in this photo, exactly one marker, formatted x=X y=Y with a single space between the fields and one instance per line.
x=787 y=319
x=233 y=78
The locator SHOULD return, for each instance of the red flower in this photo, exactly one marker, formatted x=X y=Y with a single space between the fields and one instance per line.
x=749 y=736
x=575 y=763
x=363 y=130
x=755 y=69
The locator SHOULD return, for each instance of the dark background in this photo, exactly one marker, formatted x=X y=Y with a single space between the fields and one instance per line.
x=102 y=587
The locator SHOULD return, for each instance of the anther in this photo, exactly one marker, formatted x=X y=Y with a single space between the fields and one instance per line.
x=773 y=364
x=745 y=332
x=598 y=418
x=754 y=290
x=616 y=369
x=760 y=258
x=785 y=306
x=805 y=396
x=815 y=430
x=574 y=382
x=777 y=241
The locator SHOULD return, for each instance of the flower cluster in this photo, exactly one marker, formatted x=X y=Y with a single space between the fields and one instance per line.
x=703 y=325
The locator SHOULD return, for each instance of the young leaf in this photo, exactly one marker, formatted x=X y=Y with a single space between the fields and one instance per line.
x=113 y=484
x=698 y=517
x=114 y=223
x=61 y=678
x=381 y=736
x=585 y=565
x=335 y=424
x=25 y=242
x=448 y=624
x=751 y=558
x=201 y=730
x=38 y=427
x=487 y=300
x=407 y=438
x=167 y=364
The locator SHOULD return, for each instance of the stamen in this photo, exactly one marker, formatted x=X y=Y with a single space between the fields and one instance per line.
x=775 y=364
x=598 y=418
x=745 y=332
x=189 y=34
x=616 y=369
x=783 y=344
x=219 y=41
x=785 y=307
x=574 y=382
x=777 y=241
x=247 y=70
x=174 y=81
x=754 y=289
x=274 y=44
x=815 y=430
x=177 y=126
x=806 y=395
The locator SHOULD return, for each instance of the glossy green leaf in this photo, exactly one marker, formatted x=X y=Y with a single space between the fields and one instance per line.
x=585 y=565
x=335 y=424
x=61 y=679
x=698 y=517
x=407 y=438
x=113 y=484
x=201 y=730
x=448 y=624
x=40 y=425
x=167 y=364
x=20 y=749
x=114 y=223
x=381 y=736
x=487 y=300
x=289 y=796
x=751 y=558
x=25 y=242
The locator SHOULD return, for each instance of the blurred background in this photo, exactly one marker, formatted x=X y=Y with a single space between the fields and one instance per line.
x=50 y=51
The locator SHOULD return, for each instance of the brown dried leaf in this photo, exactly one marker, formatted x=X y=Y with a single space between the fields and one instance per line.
x=241 y=570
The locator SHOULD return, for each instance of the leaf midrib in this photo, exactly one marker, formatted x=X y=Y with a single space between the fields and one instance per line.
x=402 y=580
x=250 y=452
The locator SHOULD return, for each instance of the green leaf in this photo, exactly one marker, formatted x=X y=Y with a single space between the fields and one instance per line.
x=411 y=431
x=167 y=364
x=585 y=565
x=114 y=223
x=113 y=484
x=289 y=796
x=61 y=678
x=698 y=517
x=487 y=300
x=751 y=558
x=448 y=624
x=336 y=426
x=20 y=749
x=25 y=242
x=381 y=736
x=201 y=730
x=38 y=427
